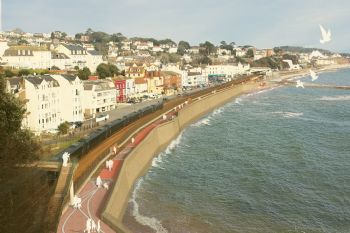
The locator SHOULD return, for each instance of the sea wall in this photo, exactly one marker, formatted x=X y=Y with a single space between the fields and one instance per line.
x=139 y=160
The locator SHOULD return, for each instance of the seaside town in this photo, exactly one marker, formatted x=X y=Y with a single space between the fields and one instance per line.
x=70 y=79
x=86 y=114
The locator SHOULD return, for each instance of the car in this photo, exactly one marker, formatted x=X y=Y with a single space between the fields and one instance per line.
x=78 y=124
x=102 y=117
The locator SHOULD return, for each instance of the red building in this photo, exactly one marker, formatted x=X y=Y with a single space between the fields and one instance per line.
x=125 y=87
x=120 y=85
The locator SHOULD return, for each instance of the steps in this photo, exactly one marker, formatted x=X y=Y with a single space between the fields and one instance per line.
x=57 y=200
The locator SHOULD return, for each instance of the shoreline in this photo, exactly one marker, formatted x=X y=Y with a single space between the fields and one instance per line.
x=130 y=222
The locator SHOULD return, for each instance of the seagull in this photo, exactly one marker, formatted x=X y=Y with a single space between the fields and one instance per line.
x=326 y=35
x=300 y=84
x=313 y=75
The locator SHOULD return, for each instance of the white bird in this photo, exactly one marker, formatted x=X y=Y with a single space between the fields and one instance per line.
x=326 y=35
x=313 y=75
x=300 y=84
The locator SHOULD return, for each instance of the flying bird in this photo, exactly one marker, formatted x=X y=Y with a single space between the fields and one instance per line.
x=313 y=75
x=326 y=35
x=300 y=84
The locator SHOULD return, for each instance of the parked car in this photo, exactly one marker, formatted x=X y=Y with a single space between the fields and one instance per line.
x=78 y=124
x=102 y=117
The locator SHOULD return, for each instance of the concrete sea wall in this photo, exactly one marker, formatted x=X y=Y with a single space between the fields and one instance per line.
x=139 y=160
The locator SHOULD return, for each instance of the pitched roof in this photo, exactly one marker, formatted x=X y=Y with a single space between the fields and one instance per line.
x=37 y=80
x=73 y=47
x=94 y=53
x=55 y=55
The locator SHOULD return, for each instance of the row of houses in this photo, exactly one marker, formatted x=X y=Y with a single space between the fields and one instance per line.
x=62 y=56
x=53 y=99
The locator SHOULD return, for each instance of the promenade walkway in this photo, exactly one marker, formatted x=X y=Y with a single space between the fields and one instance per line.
x=94 y=198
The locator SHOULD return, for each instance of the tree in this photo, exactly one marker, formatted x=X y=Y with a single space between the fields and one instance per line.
x=250 y=53
x=23 y=196
x=9 y=73
x=207 y=48
x=89 y=31
x=84 y=73
x=76 y=68
x=24 y=72
x=182 y=47
x=223 y=44
x=78 y=36
x=55 y=68
x=63 y=35
x=106 y=70
x=63 y=128
x=22 y=42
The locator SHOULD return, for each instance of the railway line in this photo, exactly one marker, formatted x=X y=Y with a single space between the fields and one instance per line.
x=91 y=159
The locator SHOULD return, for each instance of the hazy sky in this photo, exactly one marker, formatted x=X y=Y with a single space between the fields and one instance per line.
x=263 y=23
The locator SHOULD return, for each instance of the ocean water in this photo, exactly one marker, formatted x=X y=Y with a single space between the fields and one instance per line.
x=274 y=161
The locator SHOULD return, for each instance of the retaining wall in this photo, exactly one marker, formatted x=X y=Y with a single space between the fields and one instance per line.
x=139 y=160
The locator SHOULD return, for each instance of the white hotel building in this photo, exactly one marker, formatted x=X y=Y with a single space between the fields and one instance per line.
x=98 y=96
x=229 y=71
x=42 y=95
x=49 y=100
x=71 y=92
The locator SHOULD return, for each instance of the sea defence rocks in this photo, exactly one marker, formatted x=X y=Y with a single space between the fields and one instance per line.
x=139 y=160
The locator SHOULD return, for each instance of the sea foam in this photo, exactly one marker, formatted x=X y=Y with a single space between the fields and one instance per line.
x=205 y=121
x=336 y=98
x=289 y=114
x=159 y=159
x=153 y=223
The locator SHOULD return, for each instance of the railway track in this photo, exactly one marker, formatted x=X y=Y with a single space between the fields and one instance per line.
x=89 y=160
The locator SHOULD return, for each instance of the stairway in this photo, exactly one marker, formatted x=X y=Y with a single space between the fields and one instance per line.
x=58 y=198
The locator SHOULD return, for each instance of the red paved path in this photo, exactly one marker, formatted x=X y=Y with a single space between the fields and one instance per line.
x=93 y=198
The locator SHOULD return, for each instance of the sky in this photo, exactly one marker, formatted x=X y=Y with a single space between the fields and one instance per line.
x=261 y=23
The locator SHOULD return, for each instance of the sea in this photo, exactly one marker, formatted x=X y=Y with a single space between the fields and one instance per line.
x=273 y=161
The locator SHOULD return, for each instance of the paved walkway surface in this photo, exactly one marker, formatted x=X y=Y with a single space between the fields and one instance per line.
x=93 y=198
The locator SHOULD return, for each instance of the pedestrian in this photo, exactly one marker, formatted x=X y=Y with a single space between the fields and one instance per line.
x=88 y=226
x=99 y=226
x=106 y=186
x=93 y=226
x=114 y=150
x=111 y=162
x=98 y=182
x=132 y=140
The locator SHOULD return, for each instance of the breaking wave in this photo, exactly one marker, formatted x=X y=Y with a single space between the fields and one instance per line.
x=336 y=98
x=159 y=159
x=289 y=114
x=205 y=121
x=153 y=223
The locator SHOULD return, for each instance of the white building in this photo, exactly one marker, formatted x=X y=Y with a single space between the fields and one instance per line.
x=291 y=65
x=3 y=47
x=173 y=50
x=27 y=57
x=98 y=96
x=80 y=56
x=228 y=71
x=71 y=94
x=141 y=85
x=194 y=80
x=43 y=103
